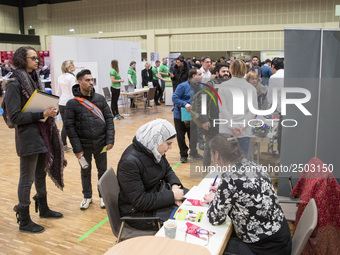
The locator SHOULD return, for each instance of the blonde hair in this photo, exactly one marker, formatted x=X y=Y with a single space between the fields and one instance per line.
x=147 y=64
x=65 y=66
x=250 y=75
x=238 y=68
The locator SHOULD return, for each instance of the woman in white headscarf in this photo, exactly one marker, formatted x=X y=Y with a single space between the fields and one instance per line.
x=148 y=185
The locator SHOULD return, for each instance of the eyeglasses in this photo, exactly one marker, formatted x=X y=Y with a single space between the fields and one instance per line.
x=200 y=232
x=34 y=58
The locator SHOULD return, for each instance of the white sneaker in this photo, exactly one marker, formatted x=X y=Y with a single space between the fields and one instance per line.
x=102 y=204
x=85 y=203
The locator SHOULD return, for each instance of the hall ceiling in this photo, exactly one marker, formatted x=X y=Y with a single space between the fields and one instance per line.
x=29 y=3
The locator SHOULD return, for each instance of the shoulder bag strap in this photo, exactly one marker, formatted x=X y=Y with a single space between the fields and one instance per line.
x=93 y=108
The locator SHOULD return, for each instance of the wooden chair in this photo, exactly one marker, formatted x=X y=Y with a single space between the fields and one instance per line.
x=109 y=189
x=150 y=96
x=133 y=98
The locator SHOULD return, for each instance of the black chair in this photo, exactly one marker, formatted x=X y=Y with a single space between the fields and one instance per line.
x=109 y=189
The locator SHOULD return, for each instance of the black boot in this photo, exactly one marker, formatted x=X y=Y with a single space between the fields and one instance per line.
x=44 y=211
x=25 y=222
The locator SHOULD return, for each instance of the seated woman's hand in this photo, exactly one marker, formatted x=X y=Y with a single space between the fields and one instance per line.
x=178 y=202
x=209 y=197
x=214 y=188
x=178 y=194
x=175 y=186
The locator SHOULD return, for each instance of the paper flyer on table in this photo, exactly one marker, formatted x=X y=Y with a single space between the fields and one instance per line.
x=196 y=231
x=188 y=215
x=196 y=202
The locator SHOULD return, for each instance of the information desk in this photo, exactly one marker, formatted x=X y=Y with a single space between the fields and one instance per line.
x=219 y=240
x=147 y=245
x=125 y=96
x=168 y=93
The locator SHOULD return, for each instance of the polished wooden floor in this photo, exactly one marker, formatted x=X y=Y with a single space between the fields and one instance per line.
x=67 y=235
x=62 y=236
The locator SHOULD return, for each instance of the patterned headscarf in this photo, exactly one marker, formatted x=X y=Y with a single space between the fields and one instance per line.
x=153 y=134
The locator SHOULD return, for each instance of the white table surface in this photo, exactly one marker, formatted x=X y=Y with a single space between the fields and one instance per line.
x=136 y=91
x=222 y=232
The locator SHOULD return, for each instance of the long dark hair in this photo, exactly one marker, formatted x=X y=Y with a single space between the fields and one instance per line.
x=227 y=148
x=114 y=65
x=19 y=59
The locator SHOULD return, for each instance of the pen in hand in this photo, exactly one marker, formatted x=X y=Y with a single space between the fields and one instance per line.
x=214 y=182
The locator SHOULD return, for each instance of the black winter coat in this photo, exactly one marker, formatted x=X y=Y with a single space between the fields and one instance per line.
x=145 y=77
x=85 y=129
x=181 y=74
x=28 y=139
x=138 y=176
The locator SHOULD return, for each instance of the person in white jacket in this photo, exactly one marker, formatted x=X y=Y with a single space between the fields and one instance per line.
x=233 y=120
x=276 y=81
x=65 y=83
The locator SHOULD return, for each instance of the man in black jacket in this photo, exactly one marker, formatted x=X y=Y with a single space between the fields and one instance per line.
x=89 y=126
x=180 y=73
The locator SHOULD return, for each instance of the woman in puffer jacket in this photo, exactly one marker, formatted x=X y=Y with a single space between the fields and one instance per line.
x=148 y=185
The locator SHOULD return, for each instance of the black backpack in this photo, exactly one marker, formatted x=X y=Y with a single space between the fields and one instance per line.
x=9 y=123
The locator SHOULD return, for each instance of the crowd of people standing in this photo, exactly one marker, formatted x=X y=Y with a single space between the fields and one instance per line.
x=148 y=185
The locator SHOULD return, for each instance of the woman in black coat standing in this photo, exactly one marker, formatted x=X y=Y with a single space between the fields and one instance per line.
x=148 y=185
x=147 y=78
x=38 y=143
x=146 y=75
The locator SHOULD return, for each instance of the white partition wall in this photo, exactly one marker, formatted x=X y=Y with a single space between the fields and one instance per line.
x=95 y=50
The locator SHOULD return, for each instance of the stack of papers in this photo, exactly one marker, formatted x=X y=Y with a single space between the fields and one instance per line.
x=196 y=193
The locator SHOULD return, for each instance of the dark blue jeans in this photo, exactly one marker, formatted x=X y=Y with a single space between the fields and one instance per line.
x=32 y=168
x=101 y=163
